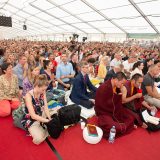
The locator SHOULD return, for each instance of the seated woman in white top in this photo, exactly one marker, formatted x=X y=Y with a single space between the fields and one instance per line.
x=137 y=68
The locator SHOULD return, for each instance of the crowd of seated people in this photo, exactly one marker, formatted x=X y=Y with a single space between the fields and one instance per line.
x=30 y=68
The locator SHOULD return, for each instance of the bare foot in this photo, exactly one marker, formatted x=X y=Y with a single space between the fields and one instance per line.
x=135 y=126
x=144 y=126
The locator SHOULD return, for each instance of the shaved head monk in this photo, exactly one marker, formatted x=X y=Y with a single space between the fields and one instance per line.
x=109 y=108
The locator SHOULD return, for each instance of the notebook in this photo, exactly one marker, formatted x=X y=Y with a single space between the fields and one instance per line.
x=92 y=130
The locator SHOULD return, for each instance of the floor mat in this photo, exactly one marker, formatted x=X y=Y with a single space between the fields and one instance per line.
x=139 y=145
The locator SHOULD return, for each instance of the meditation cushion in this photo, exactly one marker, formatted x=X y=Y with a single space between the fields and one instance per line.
x=92 y=139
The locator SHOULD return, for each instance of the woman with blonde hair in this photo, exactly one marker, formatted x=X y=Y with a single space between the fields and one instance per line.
x=11 y=59
x=102 y=69
x=36 y=110
x=29 y=78
x=31 y=60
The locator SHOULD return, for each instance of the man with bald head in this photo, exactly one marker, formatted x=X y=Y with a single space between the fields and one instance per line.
x=149 y=89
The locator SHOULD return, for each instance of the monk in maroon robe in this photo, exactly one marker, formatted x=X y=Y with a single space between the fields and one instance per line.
x=132 y=98
x=109 y=108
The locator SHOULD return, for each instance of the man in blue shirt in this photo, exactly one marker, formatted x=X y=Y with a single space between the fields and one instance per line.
x=19 y=69
x=64 y=73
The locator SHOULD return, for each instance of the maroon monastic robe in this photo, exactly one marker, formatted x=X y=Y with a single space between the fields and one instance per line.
x=110 y=111
x=135 y=106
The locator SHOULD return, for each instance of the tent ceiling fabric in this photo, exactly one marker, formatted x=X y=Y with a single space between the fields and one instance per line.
x=80 y=16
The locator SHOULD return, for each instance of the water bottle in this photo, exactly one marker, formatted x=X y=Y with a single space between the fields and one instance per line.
x=112 y=135
x=83 y=124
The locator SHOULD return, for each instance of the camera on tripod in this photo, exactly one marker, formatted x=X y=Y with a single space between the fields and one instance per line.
x=84 y=39
x=75 y=36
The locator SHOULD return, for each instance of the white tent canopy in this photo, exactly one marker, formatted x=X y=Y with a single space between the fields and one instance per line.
x=49 y=19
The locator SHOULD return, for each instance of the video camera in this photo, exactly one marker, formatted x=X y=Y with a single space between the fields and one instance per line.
x=75 y=36
x=84 y=39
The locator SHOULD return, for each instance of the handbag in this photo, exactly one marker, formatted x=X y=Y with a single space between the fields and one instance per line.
x=153 y=128
x=69 y=114
x=54 y=126
x=17 y=115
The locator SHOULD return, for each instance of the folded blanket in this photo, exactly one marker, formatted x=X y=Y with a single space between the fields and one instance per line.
x=53 y=104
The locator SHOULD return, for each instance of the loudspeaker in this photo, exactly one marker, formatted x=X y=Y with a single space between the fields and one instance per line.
x=24 y=27
x=5 y=21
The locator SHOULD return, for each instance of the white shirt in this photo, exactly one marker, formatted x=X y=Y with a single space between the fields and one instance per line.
x=58 y=59
x=115 y=62
x=136 y=71
x=128 y=66
x=80 y=56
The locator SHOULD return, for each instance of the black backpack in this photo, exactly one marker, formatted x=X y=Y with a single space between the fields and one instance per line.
x=153 y=128
x=69 y=114
x=54 y=126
